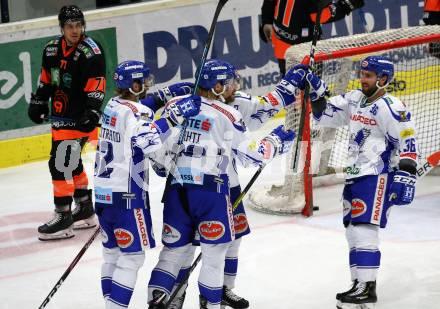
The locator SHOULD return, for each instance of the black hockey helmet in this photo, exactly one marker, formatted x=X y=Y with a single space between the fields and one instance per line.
x=70 y=13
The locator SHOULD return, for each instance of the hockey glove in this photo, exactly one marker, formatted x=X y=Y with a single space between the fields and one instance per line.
x=290 y=84
x=318 y=88
x=174 y=90
x=350 y=5
x=88 y=120
x=159 y=169
x=177 y=112
x=280 y=139
x=402 y=189
x=38 y=109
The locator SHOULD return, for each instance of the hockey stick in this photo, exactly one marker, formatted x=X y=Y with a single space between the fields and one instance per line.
x=218 y=9
x=428 y=165
x=69 y=269
x=321 y=5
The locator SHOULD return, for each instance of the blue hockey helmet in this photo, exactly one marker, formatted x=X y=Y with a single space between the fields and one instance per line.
x=382 y=66
x=129 y=71
x=218 y=71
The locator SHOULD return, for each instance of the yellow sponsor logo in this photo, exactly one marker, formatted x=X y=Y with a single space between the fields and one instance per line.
x=252 y=145
x=407 y=133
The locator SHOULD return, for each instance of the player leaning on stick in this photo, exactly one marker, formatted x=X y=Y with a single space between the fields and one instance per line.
x=128 y=135
x=381 y=168
x=199 y=193
x=255 y=110
x=73 y=78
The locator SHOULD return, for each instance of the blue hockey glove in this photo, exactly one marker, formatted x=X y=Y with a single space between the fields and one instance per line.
x=281 y=139
x=174 y=90
x=318 y=88
x=176 y=112
x=402 y=189
x=291 y=83
x=159 y=169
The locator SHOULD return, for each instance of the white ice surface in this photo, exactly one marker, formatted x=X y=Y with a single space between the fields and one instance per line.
x=286 y=262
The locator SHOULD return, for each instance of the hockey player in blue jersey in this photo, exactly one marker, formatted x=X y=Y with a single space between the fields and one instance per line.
x=199 y=195
x=128 y=135
x=381 y=169
x=255 y=110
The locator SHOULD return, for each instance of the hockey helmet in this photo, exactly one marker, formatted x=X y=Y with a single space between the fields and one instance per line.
x=70 y=13
x=382 y=66
x=218 y=71
x=129 y=71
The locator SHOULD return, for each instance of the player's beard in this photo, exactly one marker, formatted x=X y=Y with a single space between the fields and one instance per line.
x=370 y=91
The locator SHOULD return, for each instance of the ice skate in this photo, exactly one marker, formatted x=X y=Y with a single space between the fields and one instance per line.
x=84 y=214
x=230 y=299
x=177 y=302
x=159 y=300
x=60 y=227
x=362 y=297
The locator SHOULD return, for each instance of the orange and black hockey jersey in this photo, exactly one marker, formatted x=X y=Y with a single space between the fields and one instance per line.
x=293 y=20
x=432 y=12
x=73 y=78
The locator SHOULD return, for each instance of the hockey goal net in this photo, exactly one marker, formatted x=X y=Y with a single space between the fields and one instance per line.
x=415 y=52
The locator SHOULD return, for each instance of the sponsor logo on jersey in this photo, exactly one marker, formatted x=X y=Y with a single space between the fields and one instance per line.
x=358 y=208
x=141 y=226
x=170 y=234
x=67 y=80
x=379 y=199
x=352 y=170
x=364 y=120
x=93 y=45
x=407 y=133
x=240 y=223
x=200 y=123
x=191 y=176
x=211 y=230
x=104 y=196
x=124 y=238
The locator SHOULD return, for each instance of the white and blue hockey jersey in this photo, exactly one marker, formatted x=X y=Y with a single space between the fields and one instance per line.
x=380 y=132
x=127 y=136
x=255 y=111
x=211 y=140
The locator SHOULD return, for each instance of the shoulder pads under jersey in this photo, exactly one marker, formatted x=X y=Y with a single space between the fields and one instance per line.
x=89 y=47
x=395 y=107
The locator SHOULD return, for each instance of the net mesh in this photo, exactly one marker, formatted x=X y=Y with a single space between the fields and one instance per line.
x=416 y=83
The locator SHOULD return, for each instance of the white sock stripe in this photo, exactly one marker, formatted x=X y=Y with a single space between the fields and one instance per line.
x=117 y=303
x=165 y=272
x=230 y=274
x=367 y=250
x=210 y=288
x=122 y=286
x=106 y=278
x=367 y=267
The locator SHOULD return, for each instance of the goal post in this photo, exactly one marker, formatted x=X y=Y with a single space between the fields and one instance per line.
x=415 y=52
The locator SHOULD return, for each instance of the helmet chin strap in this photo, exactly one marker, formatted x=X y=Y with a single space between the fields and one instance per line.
x=219 y=94
x=378 y=88
x=137 y=93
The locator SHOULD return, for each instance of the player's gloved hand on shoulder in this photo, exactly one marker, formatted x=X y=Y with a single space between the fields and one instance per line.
x=174 y=90
x=177 y=112
x=88 y=121
x=318 y=88
x=350 y=5
x=280 y=138
x=38 y=109
x=159 y=169
x=402 y=189
x=291 y=83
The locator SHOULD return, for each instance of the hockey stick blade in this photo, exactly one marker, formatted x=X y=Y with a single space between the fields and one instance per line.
x=428 y=165
x=69 y=269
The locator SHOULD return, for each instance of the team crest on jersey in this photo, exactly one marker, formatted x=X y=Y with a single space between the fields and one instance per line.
x=170 y=234
x=211 y=230
x=358 y=208
x=124 y=238
x=240 y=223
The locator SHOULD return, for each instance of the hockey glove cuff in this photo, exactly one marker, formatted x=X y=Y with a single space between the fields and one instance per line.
x=177 y=112
x=279 y=141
